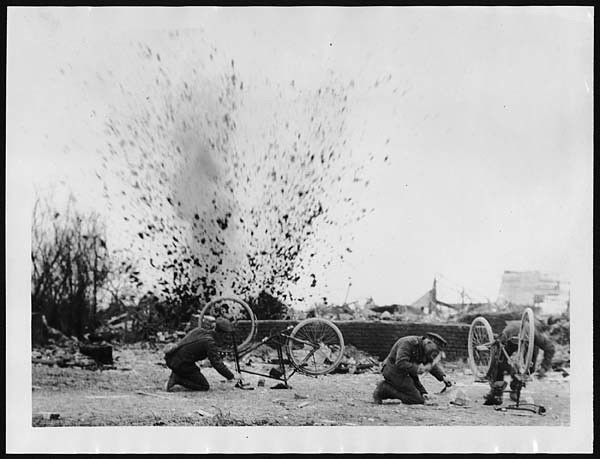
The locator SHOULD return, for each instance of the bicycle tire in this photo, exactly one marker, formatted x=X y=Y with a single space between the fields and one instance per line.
x=479 y=346
x=244 y=335
x=526 y=342
x=322 y=349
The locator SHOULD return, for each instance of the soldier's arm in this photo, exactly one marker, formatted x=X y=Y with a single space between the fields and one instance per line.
x=419 y=385
x=438 y=372
x=217 y=362
x=403 y=360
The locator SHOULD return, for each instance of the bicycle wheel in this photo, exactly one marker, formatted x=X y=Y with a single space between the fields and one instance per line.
x=237 y=312
x=479 y=346
x=315 y=346
x=526 y=342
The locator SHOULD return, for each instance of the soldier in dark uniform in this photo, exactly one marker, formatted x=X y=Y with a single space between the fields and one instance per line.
x=409 y=357
x=197 y=345
x=500 y=365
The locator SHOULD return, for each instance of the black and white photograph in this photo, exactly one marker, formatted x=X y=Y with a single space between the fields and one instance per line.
x=299 y=229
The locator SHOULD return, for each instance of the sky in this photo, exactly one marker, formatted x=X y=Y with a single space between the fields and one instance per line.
x=488 y=112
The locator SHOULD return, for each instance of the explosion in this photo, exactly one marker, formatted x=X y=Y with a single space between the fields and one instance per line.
x=225 y=185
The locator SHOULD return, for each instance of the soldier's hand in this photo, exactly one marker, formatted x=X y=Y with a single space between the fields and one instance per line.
x=423 y=368
x=447 y=381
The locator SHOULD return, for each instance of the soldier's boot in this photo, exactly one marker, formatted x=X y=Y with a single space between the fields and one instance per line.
x=378 y=393
x=495 y=395
x=172 y=381
x=383 y=391
x=515 y=387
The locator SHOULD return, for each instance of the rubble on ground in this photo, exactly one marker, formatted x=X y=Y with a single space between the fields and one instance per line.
x=262 y=355
x=66 y=355
x=559 y=329
x=562 y=356
x=356 y=361
x=168 y=337
x=64 y=351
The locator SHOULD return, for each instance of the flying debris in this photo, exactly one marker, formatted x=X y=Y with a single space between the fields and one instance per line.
x=220 y=199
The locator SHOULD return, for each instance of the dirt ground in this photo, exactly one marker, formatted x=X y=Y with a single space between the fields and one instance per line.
x=133 y=395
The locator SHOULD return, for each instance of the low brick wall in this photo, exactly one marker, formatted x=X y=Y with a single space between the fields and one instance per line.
x=497 y=320
x=377 y=338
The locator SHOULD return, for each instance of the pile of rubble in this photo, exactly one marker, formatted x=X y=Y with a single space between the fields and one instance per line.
x=63 y=351
x=559 y=329
x=356 y=361
x=370 y=311
x=168 y=337
x=66 y=355
x=562 y=356
x=261 y=356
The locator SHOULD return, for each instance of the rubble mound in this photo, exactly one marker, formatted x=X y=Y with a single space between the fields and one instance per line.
x=64 y=351
x=356 y=361
x=559 y=329
x=64 y=355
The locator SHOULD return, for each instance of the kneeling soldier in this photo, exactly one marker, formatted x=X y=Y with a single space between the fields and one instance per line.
x=197 y=345
x=501 y=366
x=409 y=357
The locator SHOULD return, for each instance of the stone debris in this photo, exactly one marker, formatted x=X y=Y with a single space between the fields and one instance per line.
x=72 y=353
x=385 y=315
x=559 y=329
x=459 y=398
x=356 y=361
x=63 y=356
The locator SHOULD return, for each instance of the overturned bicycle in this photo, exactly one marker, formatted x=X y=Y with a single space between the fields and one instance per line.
x=313 y=347
x=490 y=357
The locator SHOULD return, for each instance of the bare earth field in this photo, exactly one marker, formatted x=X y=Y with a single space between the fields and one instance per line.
x=113 y=398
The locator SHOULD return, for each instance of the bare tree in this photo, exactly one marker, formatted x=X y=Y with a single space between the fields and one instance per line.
x=69 y=265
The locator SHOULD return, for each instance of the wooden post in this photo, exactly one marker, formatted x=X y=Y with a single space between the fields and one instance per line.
x=433 y=297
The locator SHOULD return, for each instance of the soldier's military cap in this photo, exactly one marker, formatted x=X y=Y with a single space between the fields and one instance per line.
x=437 y=339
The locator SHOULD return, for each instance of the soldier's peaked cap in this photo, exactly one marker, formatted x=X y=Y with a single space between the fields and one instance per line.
x=437 y=339
x=223 y=325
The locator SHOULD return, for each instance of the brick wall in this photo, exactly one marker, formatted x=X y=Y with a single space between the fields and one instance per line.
x=377 y=338
x=497 y=320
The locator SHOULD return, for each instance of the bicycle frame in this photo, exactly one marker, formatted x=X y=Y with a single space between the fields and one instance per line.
x=487 y=346
x=283 y=375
